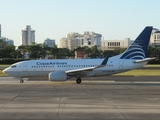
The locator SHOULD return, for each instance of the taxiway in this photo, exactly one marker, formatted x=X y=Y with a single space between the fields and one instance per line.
x=117 y=98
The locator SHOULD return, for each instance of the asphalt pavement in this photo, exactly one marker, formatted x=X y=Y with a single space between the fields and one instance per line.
x=111 y=98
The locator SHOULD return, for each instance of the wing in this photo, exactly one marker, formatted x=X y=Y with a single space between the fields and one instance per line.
x=75 y=71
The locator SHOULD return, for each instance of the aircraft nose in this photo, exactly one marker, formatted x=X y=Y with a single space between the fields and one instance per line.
x=4 y=71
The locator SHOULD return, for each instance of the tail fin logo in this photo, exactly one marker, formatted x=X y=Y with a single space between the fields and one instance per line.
x=139 y=47
x=135 y=51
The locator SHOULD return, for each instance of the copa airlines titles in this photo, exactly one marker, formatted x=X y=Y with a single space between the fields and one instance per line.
x=51 y=63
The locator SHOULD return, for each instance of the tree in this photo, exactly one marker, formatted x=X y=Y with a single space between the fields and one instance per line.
x=94 y=52
x=87 y=51
x=34 y=50
x=150 y=52
x=9 y=51
x=18 y=54
x=63 y=53
x=114 y=52
x=91 y=52
x=54 y=52
x=21 y=50
x=157 y=52
x=71 y=54
x=2 y=45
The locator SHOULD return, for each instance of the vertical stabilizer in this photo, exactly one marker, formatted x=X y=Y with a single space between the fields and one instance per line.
x=138 y=48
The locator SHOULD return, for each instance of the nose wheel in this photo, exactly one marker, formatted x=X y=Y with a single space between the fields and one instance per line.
x=21 y=81
x=78 y=80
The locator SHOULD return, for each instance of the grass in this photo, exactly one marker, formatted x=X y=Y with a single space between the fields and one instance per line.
x=4 y=66
x=156 y=65
x=140 y=73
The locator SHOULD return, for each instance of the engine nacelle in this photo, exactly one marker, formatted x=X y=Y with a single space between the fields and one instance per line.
x=57 y=76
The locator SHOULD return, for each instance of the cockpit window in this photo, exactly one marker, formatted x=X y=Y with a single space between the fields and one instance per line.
x=14 y=66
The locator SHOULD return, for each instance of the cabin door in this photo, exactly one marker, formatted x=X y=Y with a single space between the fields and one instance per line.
x=25 y=67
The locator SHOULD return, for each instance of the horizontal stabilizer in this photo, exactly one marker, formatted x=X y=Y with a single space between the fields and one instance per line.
x=144 y=60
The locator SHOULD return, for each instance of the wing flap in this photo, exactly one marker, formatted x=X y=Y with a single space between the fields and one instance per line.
x=80 y=70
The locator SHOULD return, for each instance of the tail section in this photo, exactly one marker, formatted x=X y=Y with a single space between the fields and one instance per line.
x=138 y=48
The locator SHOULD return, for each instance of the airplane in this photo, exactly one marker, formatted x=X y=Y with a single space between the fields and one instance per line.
x=63 y=69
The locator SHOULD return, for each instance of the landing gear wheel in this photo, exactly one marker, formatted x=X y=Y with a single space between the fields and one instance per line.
x=78 y=80
x=21 y=81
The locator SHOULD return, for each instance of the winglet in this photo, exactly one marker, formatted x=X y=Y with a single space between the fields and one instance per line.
x=105 y=60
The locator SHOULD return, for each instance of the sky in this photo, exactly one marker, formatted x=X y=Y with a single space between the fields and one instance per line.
x=114 y=19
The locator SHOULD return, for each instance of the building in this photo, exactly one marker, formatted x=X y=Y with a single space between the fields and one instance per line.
x=27 y=36
x=63 y=43
x=79 y=54
x=74 y=40
x=49 y=42
x=8 y=41
x=91 y=39
x=155 y=37
x=113 y=44
x=0 y=31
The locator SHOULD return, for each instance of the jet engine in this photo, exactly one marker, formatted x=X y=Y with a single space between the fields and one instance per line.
x=57 y=76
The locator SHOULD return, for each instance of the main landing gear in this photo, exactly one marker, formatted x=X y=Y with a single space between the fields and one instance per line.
x=78 y=80
x=21 y=81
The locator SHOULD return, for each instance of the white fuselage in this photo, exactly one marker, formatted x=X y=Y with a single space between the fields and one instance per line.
x=41 y=68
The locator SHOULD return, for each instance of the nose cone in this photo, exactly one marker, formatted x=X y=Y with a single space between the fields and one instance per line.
x=4 y=71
